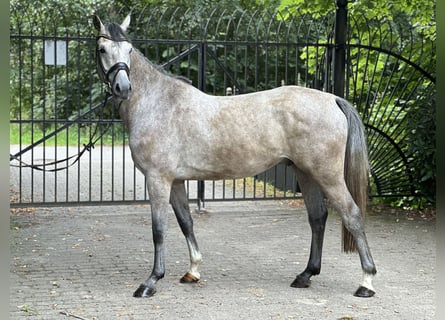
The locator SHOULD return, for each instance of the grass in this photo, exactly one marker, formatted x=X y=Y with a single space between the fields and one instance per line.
x=255 y=188
x=27 y=134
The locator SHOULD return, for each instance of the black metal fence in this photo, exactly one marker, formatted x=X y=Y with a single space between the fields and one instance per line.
x=56 y=96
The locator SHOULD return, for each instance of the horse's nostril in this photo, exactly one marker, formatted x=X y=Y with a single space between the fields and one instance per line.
x=118 y=89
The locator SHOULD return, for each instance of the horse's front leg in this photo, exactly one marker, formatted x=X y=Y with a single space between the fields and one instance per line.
x=179 y=201
x=159 y=192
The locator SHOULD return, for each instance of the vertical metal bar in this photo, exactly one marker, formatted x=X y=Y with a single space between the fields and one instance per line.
x=113 y=134
x=90 y=169
x=32 y=117
x=134 y=182
x=340 y=47
x=44 y=96
x=20 y=59
x=67 y=84
x=79 y=105
x=327 y=77
x=55 y=101
x=123 y=161
x=201 y=86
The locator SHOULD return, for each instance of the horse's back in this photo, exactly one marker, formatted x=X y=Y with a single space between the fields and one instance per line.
x=246 y=134
x=281 y=116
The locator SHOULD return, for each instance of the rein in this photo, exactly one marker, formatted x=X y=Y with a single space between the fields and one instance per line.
x=105 y=77
x=86 y=147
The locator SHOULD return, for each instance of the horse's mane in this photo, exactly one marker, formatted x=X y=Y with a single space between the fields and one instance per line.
x=117 y=34
x=162 y=70
x=174 y=76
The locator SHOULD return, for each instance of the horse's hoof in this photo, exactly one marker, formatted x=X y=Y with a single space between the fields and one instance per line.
x=189 y=278
x=364 y=292
x=301 y=282
x=144 y=292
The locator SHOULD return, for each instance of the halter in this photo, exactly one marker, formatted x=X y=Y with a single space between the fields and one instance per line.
x=118 y=66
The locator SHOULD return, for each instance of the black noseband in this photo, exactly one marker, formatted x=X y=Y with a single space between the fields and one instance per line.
x=116 y=68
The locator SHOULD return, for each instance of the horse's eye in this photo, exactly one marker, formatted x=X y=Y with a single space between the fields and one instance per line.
x=102 y=50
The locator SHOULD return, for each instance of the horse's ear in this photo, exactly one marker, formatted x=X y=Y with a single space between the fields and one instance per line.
x=98 y=24
x=126 y=22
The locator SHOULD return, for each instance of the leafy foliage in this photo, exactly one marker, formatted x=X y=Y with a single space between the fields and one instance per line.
x=252 y=47
x=41 y=91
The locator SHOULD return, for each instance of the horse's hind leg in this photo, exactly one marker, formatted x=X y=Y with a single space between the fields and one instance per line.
x=317 y=213
x=342 y=201
x=179 y=202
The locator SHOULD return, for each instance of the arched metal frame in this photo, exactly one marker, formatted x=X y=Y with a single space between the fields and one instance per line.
x=217 y=49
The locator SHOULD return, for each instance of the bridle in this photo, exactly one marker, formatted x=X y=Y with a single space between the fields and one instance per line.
x=105 y=77
x=115 y=68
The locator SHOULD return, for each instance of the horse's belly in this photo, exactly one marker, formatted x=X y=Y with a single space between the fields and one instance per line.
x=228 y=164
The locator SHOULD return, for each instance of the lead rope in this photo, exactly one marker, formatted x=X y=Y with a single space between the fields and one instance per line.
x=86 y=147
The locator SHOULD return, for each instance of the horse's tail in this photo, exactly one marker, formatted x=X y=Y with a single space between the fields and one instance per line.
x=356 y=166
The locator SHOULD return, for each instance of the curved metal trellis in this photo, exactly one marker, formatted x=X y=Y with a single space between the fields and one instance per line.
x=387 y=74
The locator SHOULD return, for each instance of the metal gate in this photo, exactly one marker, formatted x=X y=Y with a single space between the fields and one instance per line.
x=56 y=97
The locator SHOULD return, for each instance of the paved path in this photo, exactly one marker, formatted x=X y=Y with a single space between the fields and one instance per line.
x=85 y=263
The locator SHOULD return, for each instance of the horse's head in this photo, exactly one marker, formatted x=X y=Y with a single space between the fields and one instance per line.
x=113 y=56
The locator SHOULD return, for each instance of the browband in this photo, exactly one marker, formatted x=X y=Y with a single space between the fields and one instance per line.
x=106 y=36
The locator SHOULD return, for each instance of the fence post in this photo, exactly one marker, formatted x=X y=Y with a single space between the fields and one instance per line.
x=341 y=25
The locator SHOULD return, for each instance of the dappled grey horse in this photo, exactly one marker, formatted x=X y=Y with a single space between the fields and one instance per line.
x=177 y=132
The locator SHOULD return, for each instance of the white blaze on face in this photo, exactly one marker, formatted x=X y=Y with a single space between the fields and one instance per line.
x=121 y=85
x=112 y=53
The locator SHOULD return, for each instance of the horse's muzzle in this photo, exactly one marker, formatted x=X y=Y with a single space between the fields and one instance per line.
x=118 y=79
x=121 y=86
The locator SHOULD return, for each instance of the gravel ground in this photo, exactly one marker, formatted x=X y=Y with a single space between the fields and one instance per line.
x=85 y=262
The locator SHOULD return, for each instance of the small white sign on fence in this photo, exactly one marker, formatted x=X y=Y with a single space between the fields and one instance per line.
x=55 y=52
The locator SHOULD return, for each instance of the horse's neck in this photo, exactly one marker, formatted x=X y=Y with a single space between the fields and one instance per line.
x=143 y=73
x=144 y=78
